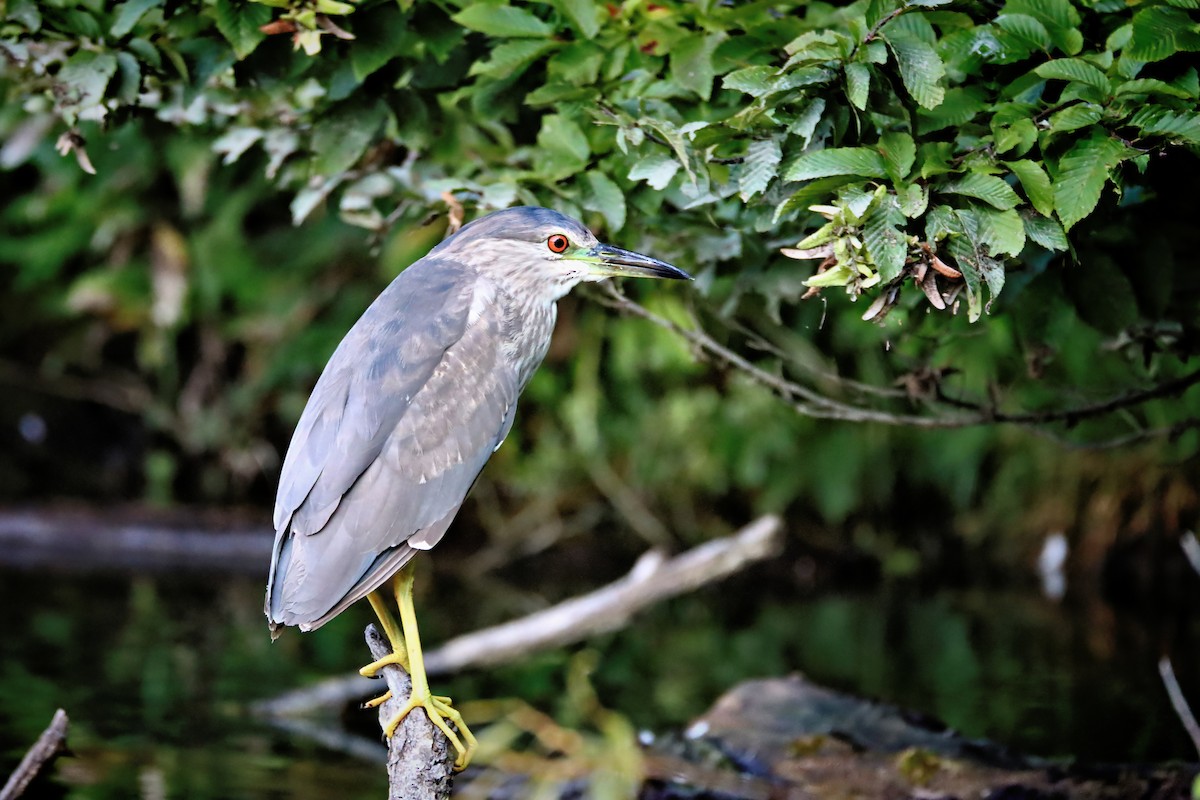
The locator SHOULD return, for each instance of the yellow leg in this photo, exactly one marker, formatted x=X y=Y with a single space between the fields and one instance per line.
x=399 y=651
x=438 y=709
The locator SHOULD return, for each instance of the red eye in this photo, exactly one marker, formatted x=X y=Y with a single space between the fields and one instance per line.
x=557 y=243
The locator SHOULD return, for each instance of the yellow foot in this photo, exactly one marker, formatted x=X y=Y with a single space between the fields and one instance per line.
x=372 y=669
x=378 y=701
x=439 y=710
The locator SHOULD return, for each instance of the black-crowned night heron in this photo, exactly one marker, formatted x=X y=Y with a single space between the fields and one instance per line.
x=410 y=407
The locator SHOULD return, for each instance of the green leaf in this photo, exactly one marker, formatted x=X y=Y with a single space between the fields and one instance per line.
x=656 y=170
x=605 y=197
x=510 y=59
x=885 y=242
x=862 y=161
x=691 y=62
x=1158 y=121
x=759 y=168
x=1072 y=118
x=1154 y=33
x=754 y=81
x=1102 y=294
x=382 y=34
x=1145 y=86
x=128 y=14
x=914 y=199
x=899 y=153
x=239 y=23
x=584 y=15
x=1073 y=69
x=1036 y=184
x=84 y=78
x=1024 y=31
x=958 y=107
x=858 y=84
x=805 y=123
x=498 y=19
x=562 y=149
x=812 y=192
x=1082 y=173
x=920 y=68
x=1046 y=232
x=341 y=137
x=988 y=188
x=1002 y=231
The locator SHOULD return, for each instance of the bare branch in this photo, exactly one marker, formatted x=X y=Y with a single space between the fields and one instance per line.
x=49 y=745
x=651 y=580
x=1178 y=701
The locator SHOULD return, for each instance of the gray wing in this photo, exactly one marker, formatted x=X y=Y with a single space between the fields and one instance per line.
x=406 y=414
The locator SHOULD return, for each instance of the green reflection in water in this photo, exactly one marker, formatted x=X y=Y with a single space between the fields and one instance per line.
x=155 y=672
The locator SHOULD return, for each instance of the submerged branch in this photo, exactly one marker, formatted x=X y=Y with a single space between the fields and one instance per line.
x=652 y=579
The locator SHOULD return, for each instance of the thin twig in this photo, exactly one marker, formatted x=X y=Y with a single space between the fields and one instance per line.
x=811 y=403
x=1179 y=702
x=651 y=580
x=49 y=745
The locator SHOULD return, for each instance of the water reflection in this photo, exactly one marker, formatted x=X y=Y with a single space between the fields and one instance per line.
x=156 y=671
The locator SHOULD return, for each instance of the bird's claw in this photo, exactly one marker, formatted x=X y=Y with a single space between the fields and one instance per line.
x=372 y=669
x=439 y=711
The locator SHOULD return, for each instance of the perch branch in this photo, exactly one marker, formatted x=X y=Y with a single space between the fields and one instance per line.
x=49 y=745
x=653 y=578
x=419 y=762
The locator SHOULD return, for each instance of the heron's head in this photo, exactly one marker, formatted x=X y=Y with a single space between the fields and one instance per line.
x=546 y=253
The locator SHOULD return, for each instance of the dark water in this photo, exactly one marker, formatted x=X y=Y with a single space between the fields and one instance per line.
x=156 y=672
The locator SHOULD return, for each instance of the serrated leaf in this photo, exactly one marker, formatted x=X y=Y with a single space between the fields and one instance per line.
x=1073 y=69
x=1154 y=33
x=1036 y=184
x=498 y=19
x=958 y=107
x=656 y=170
x=605 y=197
x=510 y=59
x=921 y=70
x=858 y=84
x=805 y=123
x=1082 y=173
x=759 y=168
x=885 y=242
x=1024 y=31
x=1145 y=86
x=128 y=14
x=862 y=161
x=1002 y=231
x=899 y=152
x=584 y=15
x=813 y=191
x=1072 y=118
x=1046 y=232
x=754 y=81
x=988 y=188
x=239 y=23
x=1158 y=121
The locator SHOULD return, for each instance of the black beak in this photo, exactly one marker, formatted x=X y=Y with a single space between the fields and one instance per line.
x=615 y=262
